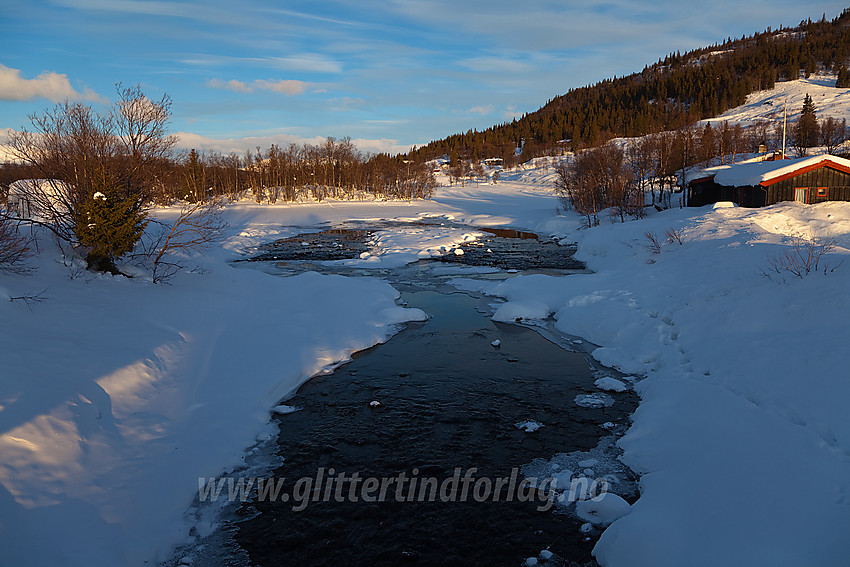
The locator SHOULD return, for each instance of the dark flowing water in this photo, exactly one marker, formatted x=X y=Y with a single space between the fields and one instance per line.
x=438 y=397
x=501 y=248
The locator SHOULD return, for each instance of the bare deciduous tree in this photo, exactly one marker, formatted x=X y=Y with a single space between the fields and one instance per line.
x=99 y=171
x=833 y=134
x=141 y=128
x=596 y=179
x=639 y=158
x=14 y=249
x=197 y=226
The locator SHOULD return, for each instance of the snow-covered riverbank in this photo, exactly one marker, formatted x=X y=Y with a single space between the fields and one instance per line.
x=117 y=394
x=742 y=436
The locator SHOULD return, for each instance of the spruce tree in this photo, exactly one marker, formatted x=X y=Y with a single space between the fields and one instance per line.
x=843 y=81
x=806 y=131
x=194 y=178
x=108 y=225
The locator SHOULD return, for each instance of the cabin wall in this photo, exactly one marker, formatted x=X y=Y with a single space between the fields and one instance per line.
x=836 y=182
x=709 y=192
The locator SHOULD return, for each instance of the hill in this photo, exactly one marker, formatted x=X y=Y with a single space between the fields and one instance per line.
x=677 y=90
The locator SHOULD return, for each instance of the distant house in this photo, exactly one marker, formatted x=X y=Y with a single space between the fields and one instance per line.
x=755 y=184
x=38 y=199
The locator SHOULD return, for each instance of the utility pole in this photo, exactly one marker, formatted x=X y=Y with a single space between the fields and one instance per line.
x=784 y=126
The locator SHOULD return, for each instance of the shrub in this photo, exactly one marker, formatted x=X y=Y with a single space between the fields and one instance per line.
x=803 y=257
x=653 y=243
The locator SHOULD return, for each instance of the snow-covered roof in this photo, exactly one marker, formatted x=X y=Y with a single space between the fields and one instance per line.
x=770 y=172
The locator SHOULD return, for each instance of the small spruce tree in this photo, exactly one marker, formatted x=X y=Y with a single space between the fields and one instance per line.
x=108 y=225
x=843 y=80
x=194 y=178
x=807 y=130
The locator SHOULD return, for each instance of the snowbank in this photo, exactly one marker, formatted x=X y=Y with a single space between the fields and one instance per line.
x=392 y=248
x=742 y=437
x=117 y=395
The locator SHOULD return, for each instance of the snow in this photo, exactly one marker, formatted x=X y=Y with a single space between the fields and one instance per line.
x=118 y=394
x=107 y=424
x=529 y=426
x=744 y=390
x=517 y=310
x=769 y=105
x=610 y=384
x=594 y=400
x=602 y=510
x=724 y=205
x=392 y=248
x=754 y=173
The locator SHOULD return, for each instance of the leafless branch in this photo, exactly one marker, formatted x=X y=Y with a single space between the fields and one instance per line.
x=674 y=235
x=14 y=249
x=198 y=226
x=30 y=300
x=653 y=243
x=804 y=256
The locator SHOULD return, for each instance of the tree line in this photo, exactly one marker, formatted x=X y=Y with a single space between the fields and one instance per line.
x=100 y=174
x=334 y=169
x=678 y=90
x=621 y=175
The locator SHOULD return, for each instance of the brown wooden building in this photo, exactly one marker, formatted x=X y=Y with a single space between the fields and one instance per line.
x=755 y=184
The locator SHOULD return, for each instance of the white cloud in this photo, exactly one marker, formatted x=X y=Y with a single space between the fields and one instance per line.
x=496 y=65
x=345 y=103
x=511 y=112
x=283 y=86
x=287 y=87
x=305 y=62
x=6 y=154
x=52 y=86
x=315 y=62
x=381 y=146
x=482 y=110
x=189 y=140
x=231 y=85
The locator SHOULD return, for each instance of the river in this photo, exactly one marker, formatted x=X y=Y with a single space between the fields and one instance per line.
x=458 y=396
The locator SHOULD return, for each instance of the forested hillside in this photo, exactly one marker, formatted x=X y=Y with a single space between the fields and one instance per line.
x=675 y=91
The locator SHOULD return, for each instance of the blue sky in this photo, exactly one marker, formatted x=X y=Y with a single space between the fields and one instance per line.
x=387 y=74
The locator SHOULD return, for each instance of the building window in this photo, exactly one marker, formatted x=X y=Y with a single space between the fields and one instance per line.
x=821 y=191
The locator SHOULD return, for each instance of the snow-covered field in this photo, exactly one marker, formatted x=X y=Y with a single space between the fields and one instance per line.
x=117 y=394
x=742 y=436
x=770 y=104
